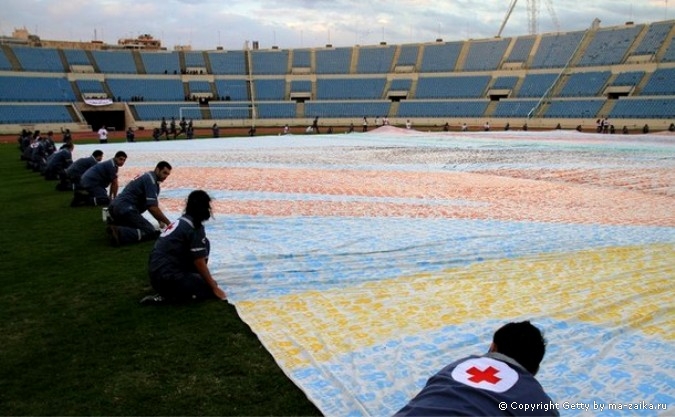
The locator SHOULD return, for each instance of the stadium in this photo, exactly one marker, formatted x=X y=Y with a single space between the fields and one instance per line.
x=356 y=265
x=563 y=79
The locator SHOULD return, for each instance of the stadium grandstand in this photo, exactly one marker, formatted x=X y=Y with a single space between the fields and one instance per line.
x=567 y=79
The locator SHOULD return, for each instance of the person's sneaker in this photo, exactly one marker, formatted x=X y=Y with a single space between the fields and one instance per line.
x=113 y=234
x=152 y=299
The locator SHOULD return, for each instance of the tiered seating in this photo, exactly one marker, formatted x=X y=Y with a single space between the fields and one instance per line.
x=282 y=110
x=5 y=65
x=301 y=86
x=39 y=59
x=669 y=56
x=662 y=82
x=505 y=83
x=485 y=55
x=630 y=78
x=514 y=108
x=656 y=35
x=302 y=58
x=90 y=86
x=644 y=108
x=521 y=50
x=270 y=89
x=194 y=59
x=349 y=88
x=347 y=108
x=400 y=84
x=408 y=55
x=333 y=61
x=574 y=108
x=375 y=60
x=16 y=88
x=440 y=57
x=270 y=62
x=236 y=90
x=148 y=88
x=585 y=84
x=609 y=46
x=76 y=57
x=227 y=63
x=451 y=87
x=440 y=108
x=34 y=113
x=161 y=62
x=115 y=62
x=157 y=111
x=199 y=86
x=555 y=50
x=536 y=85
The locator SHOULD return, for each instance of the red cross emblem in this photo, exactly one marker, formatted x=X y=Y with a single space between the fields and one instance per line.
x=489 y=374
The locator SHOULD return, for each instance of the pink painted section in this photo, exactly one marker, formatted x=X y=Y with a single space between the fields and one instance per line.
x=615 y=198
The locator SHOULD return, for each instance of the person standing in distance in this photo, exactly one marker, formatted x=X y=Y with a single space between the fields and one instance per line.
x=490 y=384
x=103 y=135
x=177 y=266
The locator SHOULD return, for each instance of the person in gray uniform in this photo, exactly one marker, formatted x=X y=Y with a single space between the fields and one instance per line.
x=77 y=168
x=177 y=265
x=142 y=193
x=498 y=383
x=96 y=180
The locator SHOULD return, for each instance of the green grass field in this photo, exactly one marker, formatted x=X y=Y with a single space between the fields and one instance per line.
x=75 y=341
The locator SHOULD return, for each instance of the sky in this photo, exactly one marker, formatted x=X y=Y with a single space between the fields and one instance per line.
x=207 y=24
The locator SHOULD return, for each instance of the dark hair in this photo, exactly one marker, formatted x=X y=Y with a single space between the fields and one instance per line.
x=198 y=206
x=163 y=164
x=522 y=342
x=120 y=153
x=97 y=153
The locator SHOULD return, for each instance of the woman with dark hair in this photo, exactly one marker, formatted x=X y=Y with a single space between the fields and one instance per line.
x=178 y=262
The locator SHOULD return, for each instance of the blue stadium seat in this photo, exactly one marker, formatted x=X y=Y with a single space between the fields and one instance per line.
x=350 y=88
x=485 y=55
x=440 y=57
x=442 y=108
x=408 y=55
x=375 y=60
x=521 y=50
x=472 y=86
x=554 y=51
x=347 y=108
x=115 y=62
x=609 y=46
x=270 y=89
x=150 y=89
x=161 y=62
x=34 y=113
x=19 y=88
x=273 y=62
x=227 y=63
x=39 y=59
x=585 y=84
x=236 y=90
x=333 y=61
x=574 y=108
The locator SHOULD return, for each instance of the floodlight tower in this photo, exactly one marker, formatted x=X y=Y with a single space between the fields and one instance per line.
x=532 y=16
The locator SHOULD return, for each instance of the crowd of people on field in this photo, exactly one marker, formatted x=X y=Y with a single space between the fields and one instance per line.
x=177 y=265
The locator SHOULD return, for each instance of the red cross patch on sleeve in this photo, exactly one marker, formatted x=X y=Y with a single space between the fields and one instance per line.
x=485 y=373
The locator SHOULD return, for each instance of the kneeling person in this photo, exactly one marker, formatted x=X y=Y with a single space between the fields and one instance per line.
x=141 y=194
x=178 y=262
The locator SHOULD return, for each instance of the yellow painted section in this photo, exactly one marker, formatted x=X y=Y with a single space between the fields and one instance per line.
x=631 y=287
